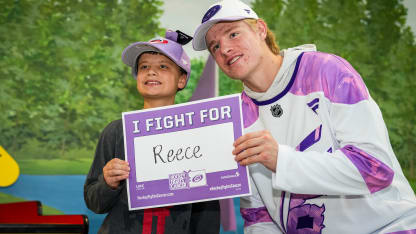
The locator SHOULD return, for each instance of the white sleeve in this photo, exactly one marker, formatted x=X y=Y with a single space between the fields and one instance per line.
x=364 y=160
x=255 y=215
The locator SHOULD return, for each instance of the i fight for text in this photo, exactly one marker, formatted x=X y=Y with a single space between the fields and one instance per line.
x=183 y=119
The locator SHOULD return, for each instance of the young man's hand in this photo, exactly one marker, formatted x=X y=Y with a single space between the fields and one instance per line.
x=257 y=147
x=115 y=171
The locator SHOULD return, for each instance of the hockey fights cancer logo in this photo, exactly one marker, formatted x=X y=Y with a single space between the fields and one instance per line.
x=186 y=180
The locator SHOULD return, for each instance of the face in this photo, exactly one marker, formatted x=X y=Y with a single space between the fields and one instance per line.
x=236 y=47
x=158 y=76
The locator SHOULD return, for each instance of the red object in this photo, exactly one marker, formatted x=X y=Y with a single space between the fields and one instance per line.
x=161 y=214
x=21 y=217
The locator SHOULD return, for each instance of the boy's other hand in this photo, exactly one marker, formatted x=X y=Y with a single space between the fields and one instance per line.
x=115 y=171
x=257 y=147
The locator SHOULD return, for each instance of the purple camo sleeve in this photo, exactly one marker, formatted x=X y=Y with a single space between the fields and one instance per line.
x=255 y=215
x=375 y=173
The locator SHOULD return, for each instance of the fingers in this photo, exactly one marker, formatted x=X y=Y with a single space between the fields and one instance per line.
x=257 y=147
x=246 y=144
x=114 y=171
x=117 y=164
x=248 y=152
x=248 y=136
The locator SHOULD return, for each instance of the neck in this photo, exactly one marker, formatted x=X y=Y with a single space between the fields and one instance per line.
x=262 y=78
x=152 y=103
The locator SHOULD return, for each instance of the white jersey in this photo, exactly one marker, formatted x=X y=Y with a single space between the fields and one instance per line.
x=336 y=171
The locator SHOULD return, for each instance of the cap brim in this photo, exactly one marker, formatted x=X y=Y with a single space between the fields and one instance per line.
x=134 y=50
x=199 y=43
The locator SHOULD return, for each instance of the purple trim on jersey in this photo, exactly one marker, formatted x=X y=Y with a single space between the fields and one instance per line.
x=413 y=231
x=255 y=215
x=330 y=74
x=249 y=109
x=311 y=139
x=313 y=106
x=375 y=173
x=281 y=211
x=283 y=93
x=299 y=199
x=313 y=102
x=329 y=150
x=305 y=218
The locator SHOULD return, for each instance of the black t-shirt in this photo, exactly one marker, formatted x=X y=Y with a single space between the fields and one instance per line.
x=202 y=217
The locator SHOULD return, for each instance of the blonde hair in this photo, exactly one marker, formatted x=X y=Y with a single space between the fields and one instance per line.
x=270 y=37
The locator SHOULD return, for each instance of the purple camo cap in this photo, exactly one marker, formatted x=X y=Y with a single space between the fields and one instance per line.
x=225 y=10
x=167 y=46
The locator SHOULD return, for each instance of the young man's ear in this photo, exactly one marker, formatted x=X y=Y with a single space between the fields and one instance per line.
x=182 y=81
x=262 y=28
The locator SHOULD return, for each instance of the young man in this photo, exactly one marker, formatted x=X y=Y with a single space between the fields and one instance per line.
x=317 y=147
x=161 y=68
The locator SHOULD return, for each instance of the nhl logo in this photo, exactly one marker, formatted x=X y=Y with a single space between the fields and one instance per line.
x=276 y=110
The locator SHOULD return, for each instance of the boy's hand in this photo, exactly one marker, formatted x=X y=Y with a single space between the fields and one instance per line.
x=115 y=171
x=257 y=147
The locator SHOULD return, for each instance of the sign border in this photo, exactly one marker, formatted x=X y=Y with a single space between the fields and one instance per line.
x=131 y=181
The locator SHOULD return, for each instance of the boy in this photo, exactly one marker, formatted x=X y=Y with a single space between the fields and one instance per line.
x=161 y=68
x=317 y=147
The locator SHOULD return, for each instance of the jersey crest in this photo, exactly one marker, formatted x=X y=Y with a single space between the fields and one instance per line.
x=276 y=110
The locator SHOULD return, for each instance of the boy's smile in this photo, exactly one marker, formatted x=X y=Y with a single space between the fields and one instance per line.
x=158 y=77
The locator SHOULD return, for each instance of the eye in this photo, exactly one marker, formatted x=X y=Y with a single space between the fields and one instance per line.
x=163 y=66
x=234 y=34
x=142 y=67
x=215 y=47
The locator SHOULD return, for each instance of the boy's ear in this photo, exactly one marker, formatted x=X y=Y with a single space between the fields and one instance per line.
x=182 y=81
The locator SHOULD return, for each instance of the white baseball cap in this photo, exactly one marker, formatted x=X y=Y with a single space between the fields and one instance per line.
x=225 y=10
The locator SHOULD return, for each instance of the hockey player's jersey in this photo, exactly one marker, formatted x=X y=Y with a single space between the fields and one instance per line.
x=336 y=171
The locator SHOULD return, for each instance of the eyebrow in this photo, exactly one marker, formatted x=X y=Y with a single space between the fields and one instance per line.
x=225 y=32
x=164 y=60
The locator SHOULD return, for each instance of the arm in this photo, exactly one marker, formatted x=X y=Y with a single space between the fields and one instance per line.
x=363 y=160
x=98 y=195
x=361 y=165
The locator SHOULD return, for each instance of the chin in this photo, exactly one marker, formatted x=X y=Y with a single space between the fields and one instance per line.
x=237 y=75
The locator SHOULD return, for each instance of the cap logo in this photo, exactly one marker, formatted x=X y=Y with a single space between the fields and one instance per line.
x=247 y=10
x=159 y=41
x=210 y=13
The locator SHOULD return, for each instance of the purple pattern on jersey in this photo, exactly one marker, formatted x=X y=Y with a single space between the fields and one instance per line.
x=305 y=218
x=404 y=232
x=299 y=199
x=330 y=74
x=311 y=139
x=375 y=173
x=249 y=109
x=329 y=150
x=255 y=215
x=281 y=210
x=314 y=101
x=313 y=106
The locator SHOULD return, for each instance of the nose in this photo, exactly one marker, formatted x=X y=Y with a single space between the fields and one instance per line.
x=151 y=71
x=226 y=47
